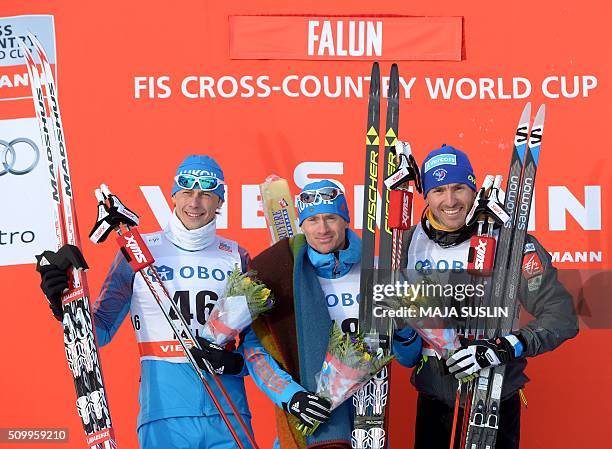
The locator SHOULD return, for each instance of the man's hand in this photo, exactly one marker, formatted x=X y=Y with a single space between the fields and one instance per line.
x=478 y=354
x=308 y=408
x=221 y=360
x=53 y=268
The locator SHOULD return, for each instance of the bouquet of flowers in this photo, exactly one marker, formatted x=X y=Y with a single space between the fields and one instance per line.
x=349 y=364
x=244 y=300
x=439 y=333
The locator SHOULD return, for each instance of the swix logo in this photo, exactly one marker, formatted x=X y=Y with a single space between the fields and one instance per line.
x=134 y=247
x=532 y=265
x=481 y=251
x=406 y=209
x=283 y=203
x=397 y=176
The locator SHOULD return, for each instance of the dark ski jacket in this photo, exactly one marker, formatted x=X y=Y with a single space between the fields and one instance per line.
x=555 y=321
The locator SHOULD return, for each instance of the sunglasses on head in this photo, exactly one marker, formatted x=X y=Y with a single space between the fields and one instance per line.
x=187 y=181
x=325 y=193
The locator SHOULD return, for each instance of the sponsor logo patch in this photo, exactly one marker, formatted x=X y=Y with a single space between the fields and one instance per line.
x=154 y=240
x=534 y=283
x=532 y=266
x=165 y=273
x=529 y=248
x=440 y=159
x=225 y=247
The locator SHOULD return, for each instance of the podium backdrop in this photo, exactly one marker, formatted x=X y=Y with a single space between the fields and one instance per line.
x=281 y=87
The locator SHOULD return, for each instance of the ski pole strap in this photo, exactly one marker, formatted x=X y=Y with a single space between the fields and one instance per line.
x=134 y=250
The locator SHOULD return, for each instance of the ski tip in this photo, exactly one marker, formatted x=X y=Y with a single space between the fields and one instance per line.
x=393 y=91
x=375 y=70
x=375 y=79
x=539 y=118
x=40 y=50
x=27 y=54
x=526 y=115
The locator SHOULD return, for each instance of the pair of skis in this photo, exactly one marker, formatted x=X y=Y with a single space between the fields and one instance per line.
x=399 y=169
x=79 y=335
x=486 y=397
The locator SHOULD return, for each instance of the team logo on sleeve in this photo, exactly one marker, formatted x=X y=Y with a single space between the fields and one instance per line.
x=532 y=266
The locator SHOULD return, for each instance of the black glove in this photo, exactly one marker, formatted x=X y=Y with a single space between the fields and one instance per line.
x=222 y=361
x=308 y=407
x=53 y=268
x=475 y=355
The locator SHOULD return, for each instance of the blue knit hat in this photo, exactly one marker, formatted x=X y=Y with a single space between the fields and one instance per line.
x=200 y=166
x=336 y=206
x=446 y=165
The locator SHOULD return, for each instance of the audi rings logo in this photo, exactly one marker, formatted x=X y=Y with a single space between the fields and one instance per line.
x=19 y=156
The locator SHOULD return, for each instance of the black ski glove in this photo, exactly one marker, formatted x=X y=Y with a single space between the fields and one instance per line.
x=53 y=268
x=308 y=408
x=475 y=355
x=222 y=360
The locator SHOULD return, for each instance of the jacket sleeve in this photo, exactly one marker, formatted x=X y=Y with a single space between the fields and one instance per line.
x=548 y=301
x=407 y=346
x=269 y=377
x=114 y=300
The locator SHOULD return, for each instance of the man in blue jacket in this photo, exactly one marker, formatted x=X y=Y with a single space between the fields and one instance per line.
x=315 y=279
x=194 y=262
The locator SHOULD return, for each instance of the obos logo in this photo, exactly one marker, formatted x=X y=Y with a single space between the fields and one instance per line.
x=165 y=273
x=439 y=174
x=423 y=266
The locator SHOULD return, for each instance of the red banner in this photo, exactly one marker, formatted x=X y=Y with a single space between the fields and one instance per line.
x=346 y=38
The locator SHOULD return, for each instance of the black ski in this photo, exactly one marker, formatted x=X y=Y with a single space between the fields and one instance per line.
x=361 y=399
x=371 y=401
x=514 y=275
x=484 y=416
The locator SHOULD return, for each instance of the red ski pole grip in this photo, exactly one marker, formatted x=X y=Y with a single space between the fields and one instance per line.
x=481 y=255
x=400 y=209
x=135 y=250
